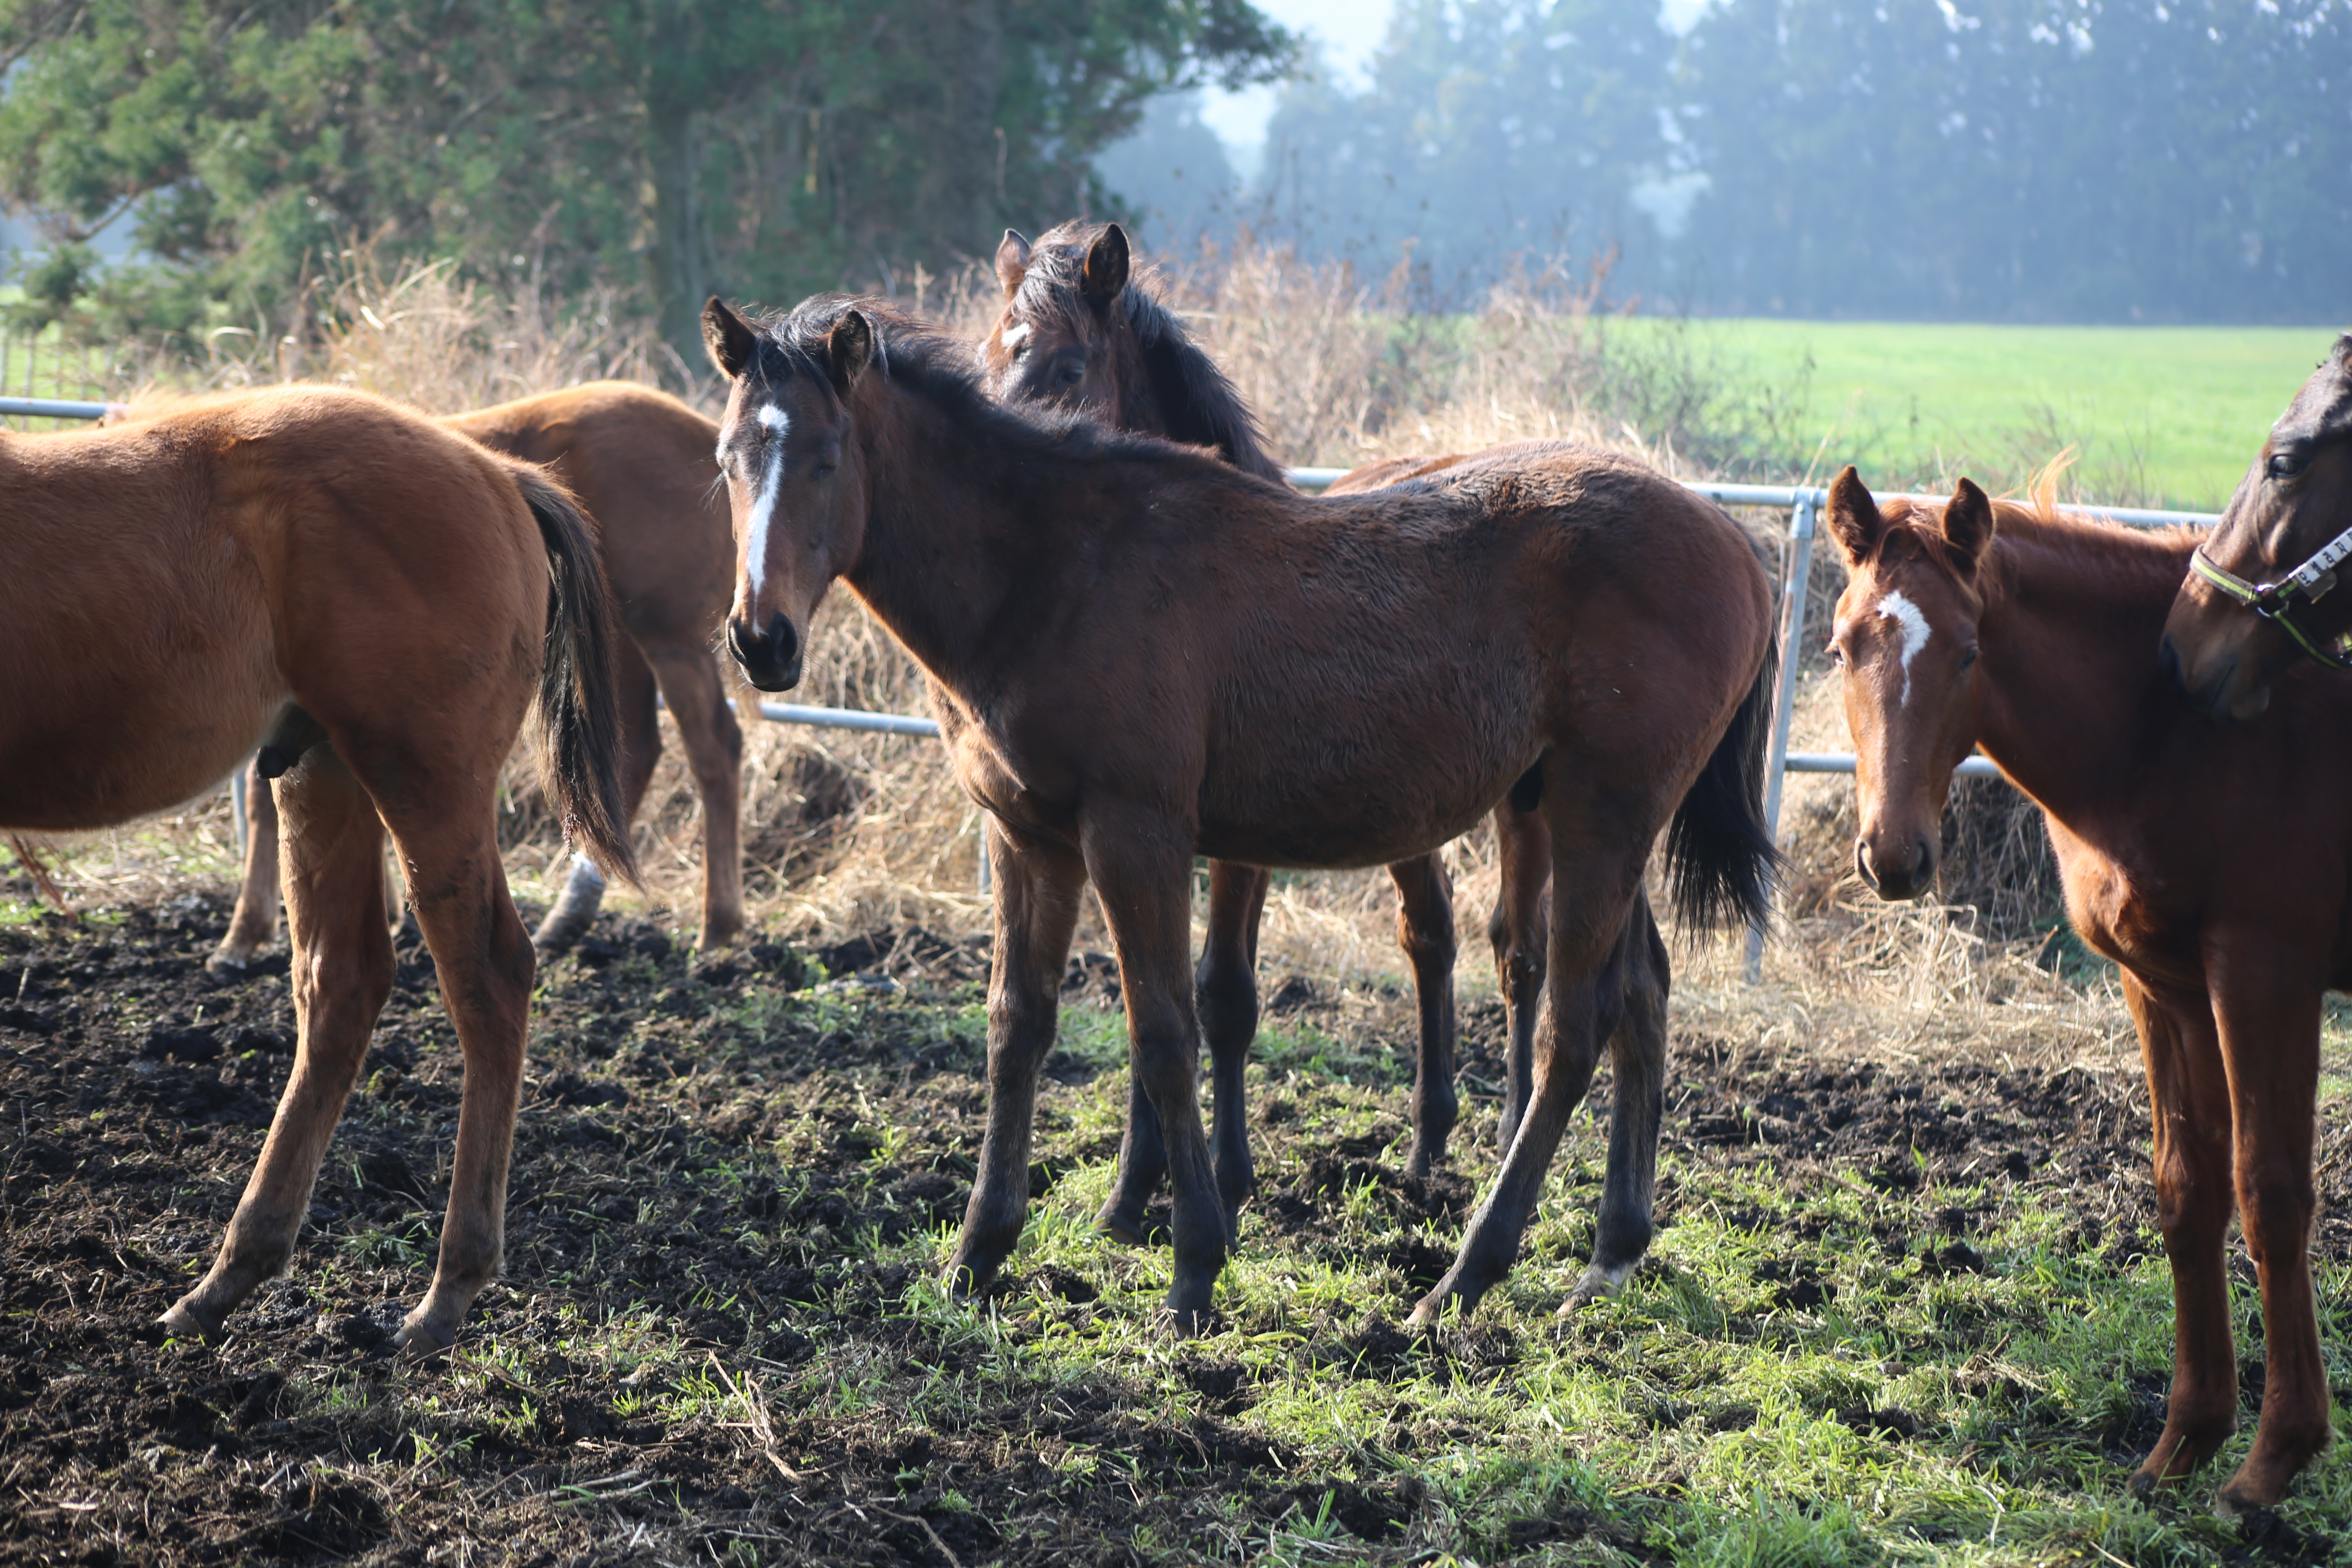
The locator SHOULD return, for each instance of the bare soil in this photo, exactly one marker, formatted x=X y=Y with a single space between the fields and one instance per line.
x=714 y=1178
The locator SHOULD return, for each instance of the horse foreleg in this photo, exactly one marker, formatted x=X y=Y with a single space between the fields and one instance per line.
x=1425 y=930
x=485 y=966
x=583 y=888
x=1037 y=908
x=1594 y=884
x=255 y=922
x=1641 y=975
x=2189 y=1091
x=691 y=684
x=1518 y=933
x=2268 y=1010
x=341 y=971
x=1142 y=867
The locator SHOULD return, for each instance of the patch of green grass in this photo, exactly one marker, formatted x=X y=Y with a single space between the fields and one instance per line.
x=2160 y=416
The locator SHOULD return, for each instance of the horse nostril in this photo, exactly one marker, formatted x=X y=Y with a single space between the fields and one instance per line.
x=2168 y=658
x=783 y=643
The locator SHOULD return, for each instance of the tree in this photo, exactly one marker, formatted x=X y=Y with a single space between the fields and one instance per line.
x=675 y=147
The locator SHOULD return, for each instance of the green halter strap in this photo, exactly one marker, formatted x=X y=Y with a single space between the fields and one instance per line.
x=2275 y=602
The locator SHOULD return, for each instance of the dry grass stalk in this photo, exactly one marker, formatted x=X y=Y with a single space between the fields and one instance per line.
x=850 y=832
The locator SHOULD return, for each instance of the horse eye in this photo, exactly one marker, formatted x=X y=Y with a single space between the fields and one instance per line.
x=1967 y=659
x=821 y=471
x=2285 y=465
x=1069 y=372
x=1837 y=657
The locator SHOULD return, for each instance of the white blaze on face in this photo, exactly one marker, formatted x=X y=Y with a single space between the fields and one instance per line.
x=763 y=504
x=1906 y=613
x=1013 y=336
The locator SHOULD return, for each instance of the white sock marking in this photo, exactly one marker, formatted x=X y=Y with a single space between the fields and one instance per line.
x=1906 y=613
x=763 y=505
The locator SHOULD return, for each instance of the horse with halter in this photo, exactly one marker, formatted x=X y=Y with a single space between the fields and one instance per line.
x=639 y=461
x=2276 y=552
x=1077 y=330
x=376 y=602
x=1139 y=653
x=2213 y=865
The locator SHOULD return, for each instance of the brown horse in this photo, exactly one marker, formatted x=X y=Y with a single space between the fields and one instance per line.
x=2212 y=865
x=1078 y=331
x=376 y=603
x=639 y=461
x=2278 y=552
x=1140 y=654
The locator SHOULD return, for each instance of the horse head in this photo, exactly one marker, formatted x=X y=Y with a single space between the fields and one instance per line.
x=794 y=478
x=1061 y=338
x=1906 y=642
x=2293 y=503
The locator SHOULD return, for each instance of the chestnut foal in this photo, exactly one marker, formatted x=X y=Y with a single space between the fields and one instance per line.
x=2213 y=864
x=1139 y=653
x=376 y=603
x=639 y=461
x=2256 y=601
x=1077 y=330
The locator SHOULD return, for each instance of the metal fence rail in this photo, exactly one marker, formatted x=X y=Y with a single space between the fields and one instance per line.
x=1802 y=503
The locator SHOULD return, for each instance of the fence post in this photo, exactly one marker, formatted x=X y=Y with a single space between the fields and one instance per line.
x=1793 y=632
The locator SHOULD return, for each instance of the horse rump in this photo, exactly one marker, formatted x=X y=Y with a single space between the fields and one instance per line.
x=579 y=722
x=1721 y=862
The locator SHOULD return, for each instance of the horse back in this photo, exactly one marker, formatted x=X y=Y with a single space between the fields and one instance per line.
x=641 y=462
x=187 y=576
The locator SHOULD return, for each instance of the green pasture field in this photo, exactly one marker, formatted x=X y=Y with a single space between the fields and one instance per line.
x=2158 y=415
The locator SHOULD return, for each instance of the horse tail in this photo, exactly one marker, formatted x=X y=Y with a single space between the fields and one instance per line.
x=1720 y=858
x=579 y=714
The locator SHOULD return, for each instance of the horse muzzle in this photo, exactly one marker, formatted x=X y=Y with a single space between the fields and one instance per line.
x=771 y=657
x=1896 y=871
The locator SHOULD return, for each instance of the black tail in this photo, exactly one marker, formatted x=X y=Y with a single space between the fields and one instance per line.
x=1719 y=851
x=579 y=718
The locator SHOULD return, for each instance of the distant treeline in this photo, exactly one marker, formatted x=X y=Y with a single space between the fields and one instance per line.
x=661 y=148
x=2020 y=159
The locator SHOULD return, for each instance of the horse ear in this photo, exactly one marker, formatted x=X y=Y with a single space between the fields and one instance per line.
x=1854 y=522
x=1106 y=269
x=848 y=349
x=1012 y=261
x=729 y=339
x=1968 y=525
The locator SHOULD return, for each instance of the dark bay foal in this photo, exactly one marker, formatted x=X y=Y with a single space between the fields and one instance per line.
x=1077 y=331
x=1139 y=653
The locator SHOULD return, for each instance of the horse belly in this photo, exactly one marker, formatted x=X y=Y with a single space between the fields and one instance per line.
x=1370 y=796
x=90 y=753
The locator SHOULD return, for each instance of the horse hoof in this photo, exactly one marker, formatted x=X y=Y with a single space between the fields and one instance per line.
x=421 y=1340
x=1119 y=1227
x=1599 y=1284
x=185 y=1323
x=230 y=964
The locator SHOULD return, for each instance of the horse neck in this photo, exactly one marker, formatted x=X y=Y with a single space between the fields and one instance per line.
x=957 y=528
x=2074 y=695
x=1189 y=397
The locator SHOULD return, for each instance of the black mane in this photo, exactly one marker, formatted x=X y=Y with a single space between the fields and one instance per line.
x=918 y=358
x=1196 y=401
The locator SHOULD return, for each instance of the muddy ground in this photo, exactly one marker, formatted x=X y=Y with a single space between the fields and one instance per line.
x=714 y=1153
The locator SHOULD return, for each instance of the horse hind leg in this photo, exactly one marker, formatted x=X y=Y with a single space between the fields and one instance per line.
x=1425 y=932
x=583 y=888
x=341 y=974
x=1641 y=975
x=1520 y=932
x=255 y=923
x=485 y=964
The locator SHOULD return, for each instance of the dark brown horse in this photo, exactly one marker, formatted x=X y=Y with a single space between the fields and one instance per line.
x=2261 y=594
x=1140 y=654
x=1077 y=330
x=639 y=461
x=376 y=603
x=2212 y=864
